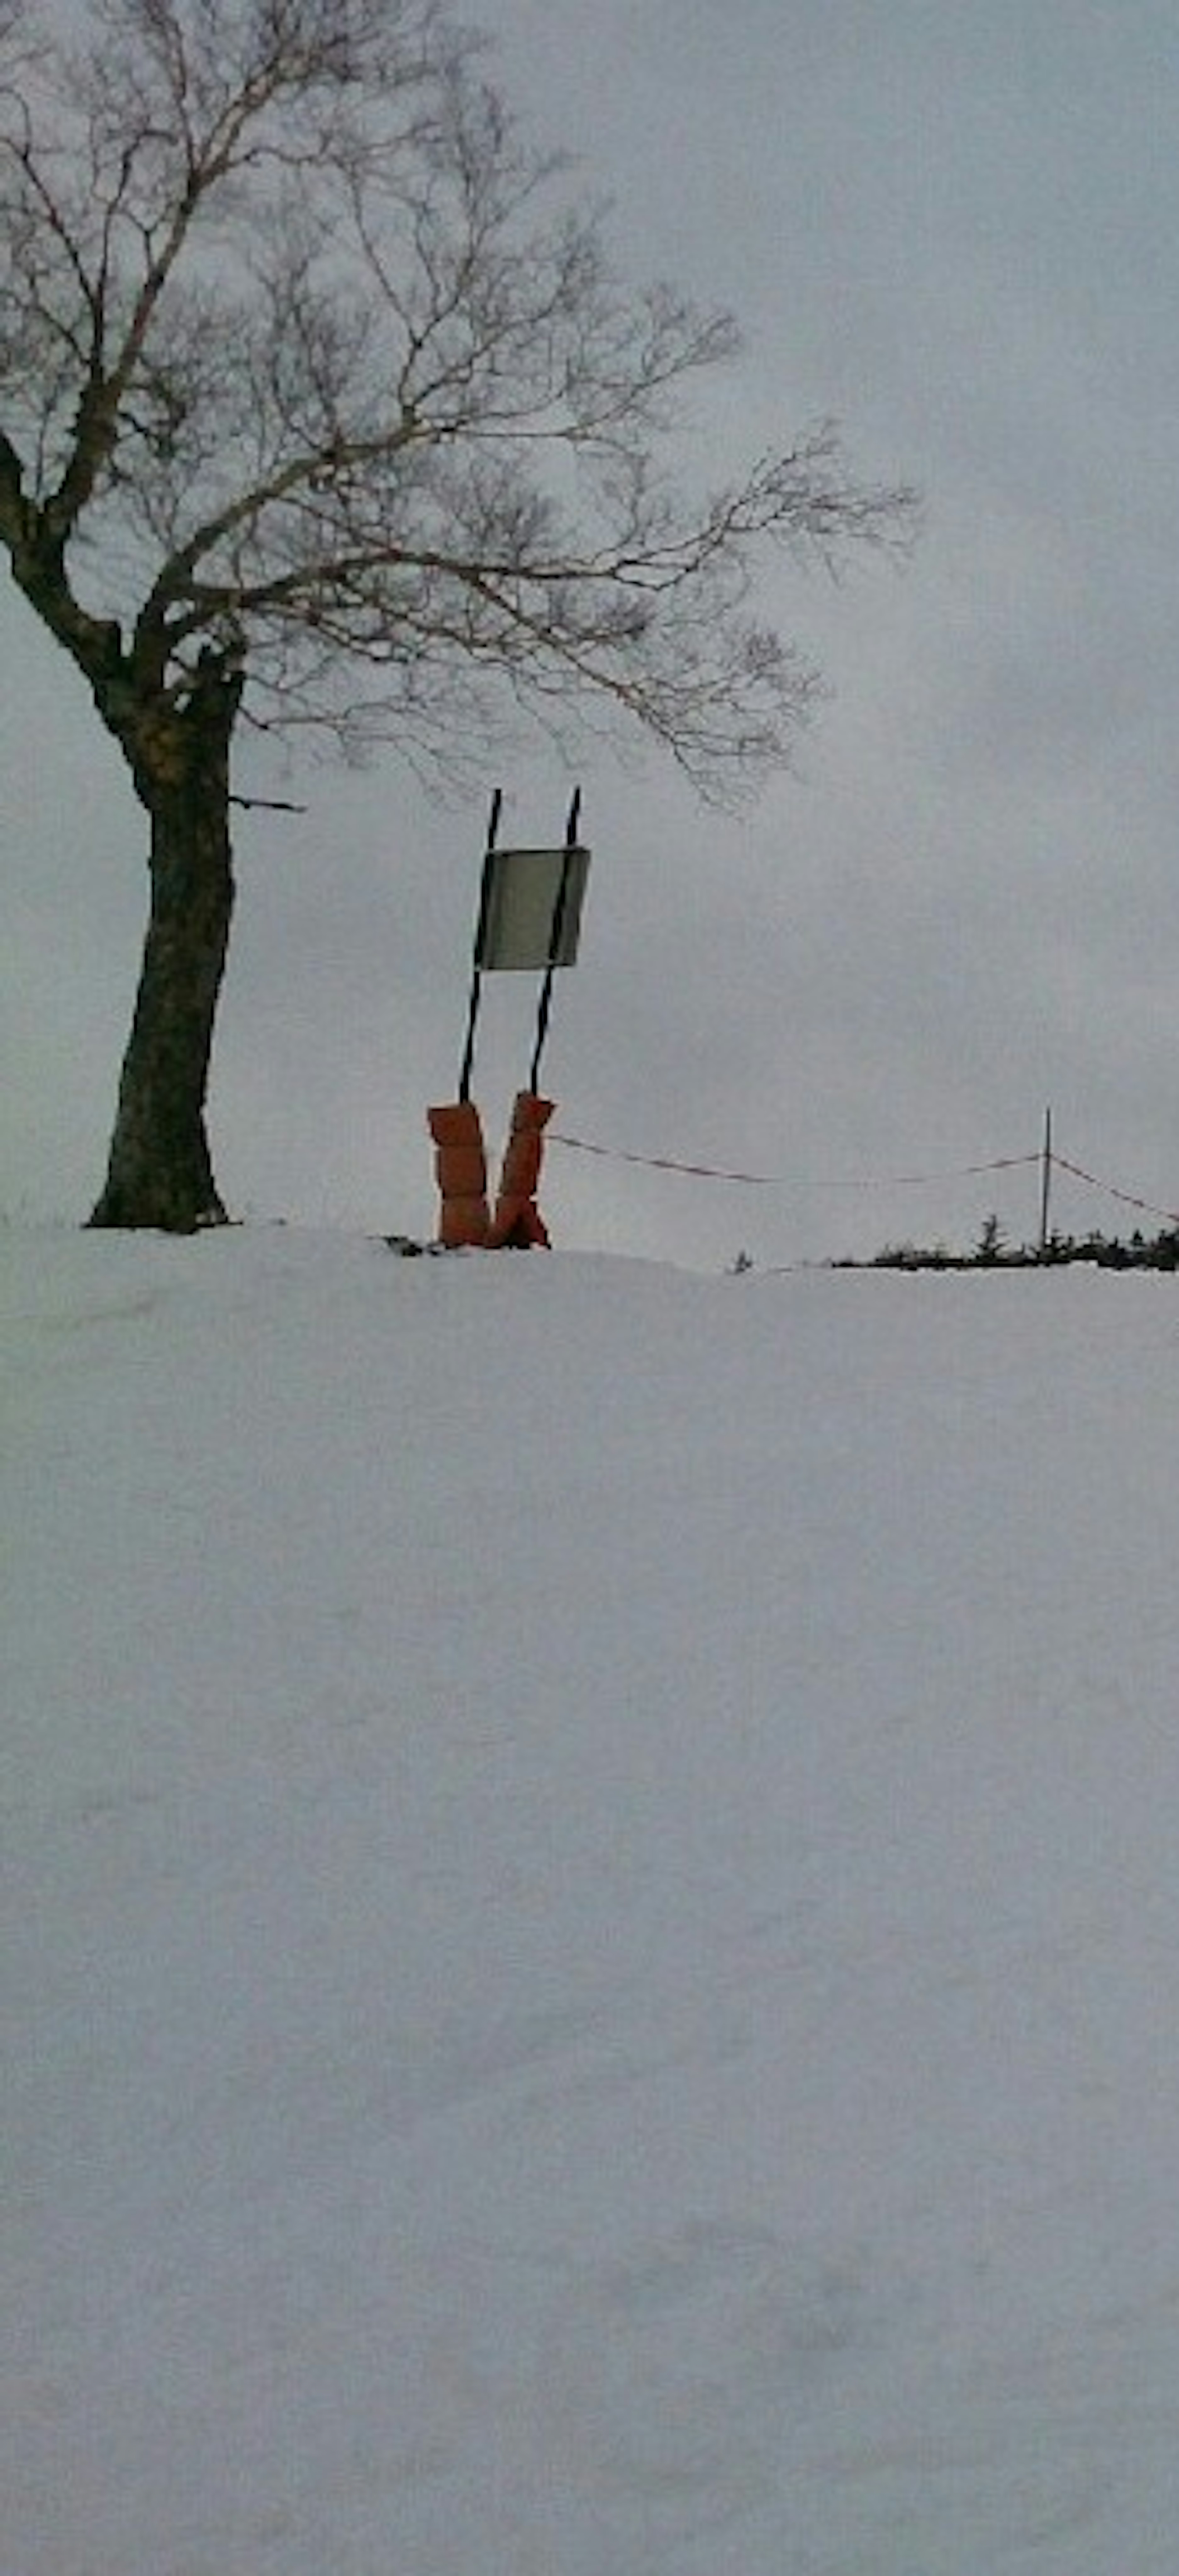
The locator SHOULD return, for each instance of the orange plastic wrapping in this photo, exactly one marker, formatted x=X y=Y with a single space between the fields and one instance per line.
x=517 y=1221
x=461 y=1168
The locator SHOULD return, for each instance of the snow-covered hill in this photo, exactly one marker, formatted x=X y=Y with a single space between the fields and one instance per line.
x=591 y=1917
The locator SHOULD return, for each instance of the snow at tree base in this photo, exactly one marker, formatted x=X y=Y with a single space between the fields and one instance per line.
x=591 y=1917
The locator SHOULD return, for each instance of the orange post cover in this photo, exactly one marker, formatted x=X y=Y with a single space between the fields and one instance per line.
x=517 y=1221
x=460 y=1165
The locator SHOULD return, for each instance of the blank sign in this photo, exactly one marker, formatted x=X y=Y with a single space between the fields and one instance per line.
x=525 y=920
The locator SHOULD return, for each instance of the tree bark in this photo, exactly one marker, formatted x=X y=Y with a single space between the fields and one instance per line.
x=160 y=1172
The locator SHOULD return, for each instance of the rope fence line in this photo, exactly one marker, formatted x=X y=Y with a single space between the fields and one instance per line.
x=787 y=1181
x=868 y=1181
x=1149 y=1207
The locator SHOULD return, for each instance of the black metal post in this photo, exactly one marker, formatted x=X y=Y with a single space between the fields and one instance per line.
x=556 y=930
x=464 y=1090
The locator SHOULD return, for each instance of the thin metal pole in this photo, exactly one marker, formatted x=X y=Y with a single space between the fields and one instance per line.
x=1045 y=1184
x=556 y=928
x=464 y=1089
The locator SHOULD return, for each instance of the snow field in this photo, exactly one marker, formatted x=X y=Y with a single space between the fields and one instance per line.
x=590 y=1920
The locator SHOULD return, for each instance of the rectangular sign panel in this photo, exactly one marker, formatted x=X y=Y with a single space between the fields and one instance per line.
x=530 y=915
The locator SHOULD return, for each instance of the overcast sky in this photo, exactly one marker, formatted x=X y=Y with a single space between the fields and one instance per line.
x=953 y=224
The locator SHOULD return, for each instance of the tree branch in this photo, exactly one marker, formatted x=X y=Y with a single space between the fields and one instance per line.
x=293 y=342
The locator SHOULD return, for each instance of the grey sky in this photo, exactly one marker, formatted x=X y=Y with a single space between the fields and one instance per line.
x=956 y=227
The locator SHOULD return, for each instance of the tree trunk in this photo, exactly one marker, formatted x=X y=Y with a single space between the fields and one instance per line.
x=160 y=1173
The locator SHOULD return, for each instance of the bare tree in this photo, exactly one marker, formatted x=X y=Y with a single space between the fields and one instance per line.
x=322 y=407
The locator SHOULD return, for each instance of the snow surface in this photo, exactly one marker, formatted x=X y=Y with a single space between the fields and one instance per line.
x=591 y=1917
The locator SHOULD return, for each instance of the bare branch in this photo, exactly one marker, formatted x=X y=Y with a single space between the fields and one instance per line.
x=267 y=805
x=305 y=360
